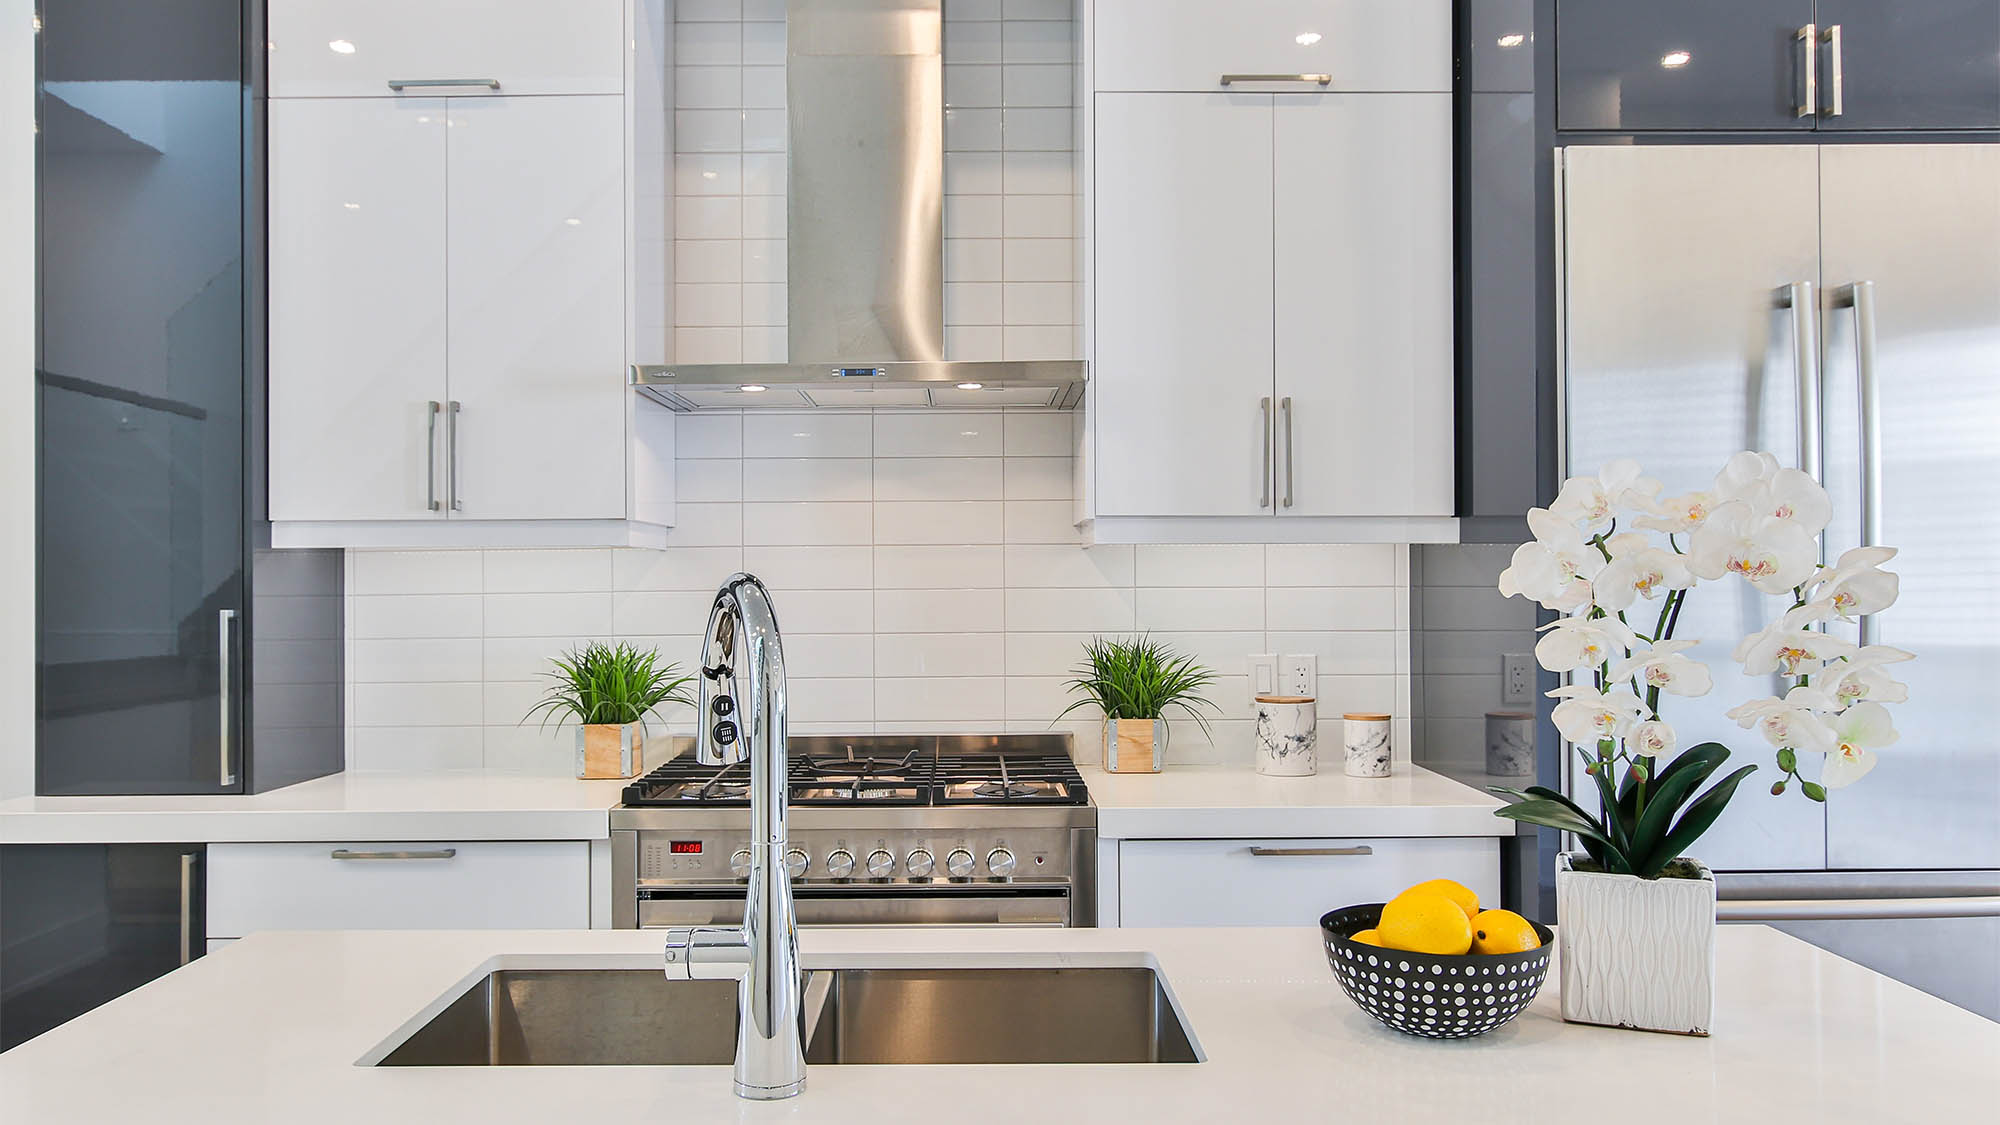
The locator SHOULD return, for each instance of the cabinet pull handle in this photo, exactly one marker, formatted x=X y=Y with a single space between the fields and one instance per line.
x=451 y=457
x=1264 y=408
x=1798 y=297
x=1861 y=295
x=1356 y=849
x=225 y=630
x=1316 y=79
x=188 y=860
x=1835 y=76
x=401 y=84
x=1853 y=909
x=431 y=456
x=1808 y=40
x=440 y=853
x=1285 y=407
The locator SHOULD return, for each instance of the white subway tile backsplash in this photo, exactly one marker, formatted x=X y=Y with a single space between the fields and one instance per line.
x=937 y=434
x=848 y=702
x=414 y=615
x=1037 y=259
x=1037 y=435
x=982 y=342
x=972 y=302
x=708 y=216
x=429 y=660
x=1036 y=84
x=1198 y=608
x=825 y=655
x=1037 y=216
x=527 y=571
x=959 y=521
x=764 y=345
x=547 y=615
x=969 y=41
x=708 y=481
x=937 y=478
x=977 y=87
x=764 y=216
x=971 y=216
x=935 y=700
x=523 y=658
x=939 y=611
x=417 y=705
x=819 y=478
x=1306 y=609
x=1362 y=564
x=663 y=611
x=708 y=306
x=971 y=9
x=828 y=611
x=764 y=87
x=807 y=523
x=685 y=568
x=818 y=434
x=708 y=260
x=812 y=568
x=973 y=259
x=707 y=44
x=708 y=87
x=1038 y=478
x=1035 y=9
x=763 y=260
x=415 y=749
x=708 y=174
x=764 y=173
x=1041 y=521
x=1201 y=564
x=764 y=44
x=938 y=567
x=1038 y=302
x=900 y=655
x=414 y=572
x=1063 y=611
x=692 y=11
x=972 y=130
x=1036 y=173
x=1032 y=566
x=1038 y=41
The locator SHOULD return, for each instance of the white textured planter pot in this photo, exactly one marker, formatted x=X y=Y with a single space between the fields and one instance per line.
x=1634 y=952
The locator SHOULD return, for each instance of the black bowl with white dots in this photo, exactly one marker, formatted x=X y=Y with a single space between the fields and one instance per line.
x=1429 y=995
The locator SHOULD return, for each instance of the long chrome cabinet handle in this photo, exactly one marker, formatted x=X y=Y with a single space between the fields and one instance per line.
x=1808 y=43
x=439 y=853
x=1851 y=909
x=1861 y=295
x=1264 y=406
x=225 y=628
x=451 y=457
x=188 y=860
x=400 y=84
x=1835 y=72
x=431 y=456
x=1799 y=298
x=1285 y=408
x=1315 y=79
x=1357 y=849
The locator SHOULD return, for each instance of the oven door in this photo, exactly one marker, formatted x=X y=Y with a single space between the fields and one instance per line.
x=992 y=904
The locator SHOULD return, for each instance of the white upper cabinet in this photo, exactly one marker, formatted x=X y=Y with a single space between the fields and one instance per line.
x=1364 y=305
x=1183 y=305
x=1360 y=45
x=356 y=48
x=536 y=300
x=357 y=307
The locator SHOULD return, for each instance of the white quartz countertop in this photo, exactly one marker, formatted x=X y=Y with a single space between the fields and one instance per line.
x=270 y=1028
x=344 y=806
x=1228 y=802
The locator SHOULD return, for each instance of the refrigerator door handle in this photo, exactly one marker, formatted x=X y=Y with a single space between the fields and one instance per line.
x=1861 y=297
x=188 y=861
x=1798 y=297
x=225 y=627
x=1854 y=909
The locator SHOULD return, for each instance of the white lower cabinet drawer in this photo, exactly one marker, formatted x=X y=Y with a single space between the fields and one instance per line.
x=372 y=885
x=1280 y=882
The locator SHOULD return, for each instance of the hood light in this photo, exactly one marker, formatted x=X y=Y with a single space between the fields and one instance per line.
x=970 y=386
x=752 y=388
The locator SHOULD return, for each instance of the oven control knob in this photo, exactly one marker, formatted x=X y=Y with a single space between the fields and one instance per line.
x=881 y=864
x=1000 y=862
x=959 y=863
x=739 y=863
x=920 y=863
x=840 y=864
x=795 y=863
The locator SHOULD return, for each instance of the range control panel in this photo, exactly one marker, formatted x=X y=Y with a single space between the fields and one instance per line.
x=861 y=856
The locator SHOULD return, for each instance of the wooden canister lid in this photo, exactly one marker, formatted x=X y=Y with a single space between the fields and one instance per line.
x=1286 y=699
x=1366 y=717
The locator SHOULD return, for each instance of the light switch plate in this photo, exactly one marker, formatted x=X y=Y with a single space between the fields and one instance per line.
x=1517 y=672
x=1301 y=674
x=1263 y=674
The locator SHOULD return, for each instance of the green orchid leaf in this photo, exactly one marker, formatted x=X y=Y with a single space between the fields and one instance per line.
x=1555 y=814
x=1697 y=819
x=1667 y=798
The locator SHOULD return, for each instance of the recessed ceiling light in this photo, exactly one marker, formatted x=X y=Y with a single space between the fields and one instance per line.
x=1514 y=39
x=352 y=206
x=573 y=222
x=1306 y=38
x=340 y=47
x=970 y=386
x=1674 y=60
x=752 y=388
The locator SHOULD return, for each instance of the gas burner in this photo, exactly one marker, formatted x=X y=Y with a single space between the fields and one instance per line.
x=1003 y=789
x=831 y=772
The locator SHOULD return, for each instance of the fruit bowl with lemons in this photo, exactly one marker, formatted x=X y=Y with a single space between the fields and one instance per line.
x=1431 y=962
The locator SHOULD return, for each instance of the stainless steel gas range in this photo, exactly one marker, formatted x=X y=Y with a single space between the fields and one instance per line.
x=885 y=830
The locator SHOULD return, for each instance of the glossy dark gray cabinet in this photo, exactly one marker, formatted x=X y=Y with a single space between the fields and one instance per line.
x=169 y=638
x=1702 y=65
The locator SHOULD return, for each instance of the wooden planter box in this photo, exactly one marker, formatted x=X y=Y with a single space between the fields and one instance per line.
x=604 y=750
x=1135 y=745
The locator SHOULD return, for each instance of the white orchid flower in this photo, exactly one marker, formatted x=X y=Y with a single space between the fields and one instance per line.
x=1651 y=739
x=1555 y=567
x=1790 y=496
x=1593 y=501
x=1577 y=643
x=1782 y=647
x=1744 y=472
x=1788 y=723
x=1586 y=715
x=1775 y=555
x=1856 y=585
x=1860 y=677
x=1857 y=732
x=1663 y=666
x=1678 y=514
x=1637 y=569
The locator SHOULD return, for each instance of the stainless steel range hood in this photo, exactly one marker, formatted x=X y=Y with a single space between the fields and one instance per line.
x=865 y=233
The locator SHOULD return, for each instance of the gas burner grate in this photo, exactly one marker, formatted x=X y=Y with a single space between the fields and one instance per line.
x=915 y=776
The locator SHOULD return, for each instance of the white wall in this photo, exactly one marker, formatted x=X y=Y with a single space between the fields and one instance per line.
x=17 y=398
x=926 y=574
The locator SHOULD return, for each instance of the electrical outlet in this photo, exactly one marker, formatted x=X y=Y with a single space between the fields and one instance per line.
x=1517 y=677
x=1263 y=674
x=1302 y=674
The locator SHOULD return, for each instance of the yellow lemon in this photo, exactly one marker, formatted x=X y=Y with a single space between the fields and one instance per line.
x=1503 y=931
x=1456 y=892
x=1425 y=922
x=1365 y=937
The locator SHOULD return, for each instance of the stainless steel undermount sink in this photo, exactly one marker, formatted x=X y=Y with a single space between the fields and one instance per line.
x=637 y=1017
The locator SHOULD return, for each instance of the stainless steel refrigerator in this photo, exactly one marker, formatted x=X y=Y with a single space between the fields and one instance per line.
x=1838 y=305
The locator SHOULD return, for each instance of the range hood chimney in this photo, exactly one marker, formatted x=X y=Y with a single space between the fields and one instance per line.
x=864 y=216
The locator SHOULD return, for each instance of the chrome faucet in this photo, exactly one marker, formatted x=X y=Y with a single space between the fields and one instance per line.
x=742 y=715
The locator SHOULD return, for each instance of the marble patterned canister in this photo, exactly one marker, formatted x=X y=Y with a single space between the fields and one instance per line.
x=1510 y=743
x=1287 y=735
x=1367 y=740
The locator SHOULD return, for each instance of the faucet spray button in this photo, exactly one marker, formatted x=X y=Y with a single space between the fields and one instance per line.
x=840 y=864
x=959 y=863
x=881 y=864
x=921 y=863
x=739 y=863
x=723 y=706
x=795 y=863
x=725 y=732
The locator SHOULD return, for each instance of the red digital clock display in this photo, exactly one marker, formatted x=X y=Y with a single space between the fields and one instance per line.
x=684 y=847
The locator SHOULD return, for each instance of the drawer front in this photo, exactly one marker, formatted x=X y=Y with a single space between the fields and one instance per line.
x=1361 y=45
x=398 y=886
x=355 y=48
x=1287 y=882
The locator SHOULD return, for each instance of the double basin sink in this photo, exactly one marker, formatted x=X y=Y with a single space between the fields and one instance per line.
x=638 y=1017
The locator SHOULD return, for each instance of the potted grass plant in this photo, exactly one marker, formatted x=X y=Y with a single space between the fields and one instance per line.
x=608 y=691
x=1134 y=681
x=1636 y=914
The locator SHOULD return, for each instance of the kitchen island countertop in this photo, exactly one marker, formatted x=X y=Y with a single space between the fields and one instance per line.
x=270 y=1029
